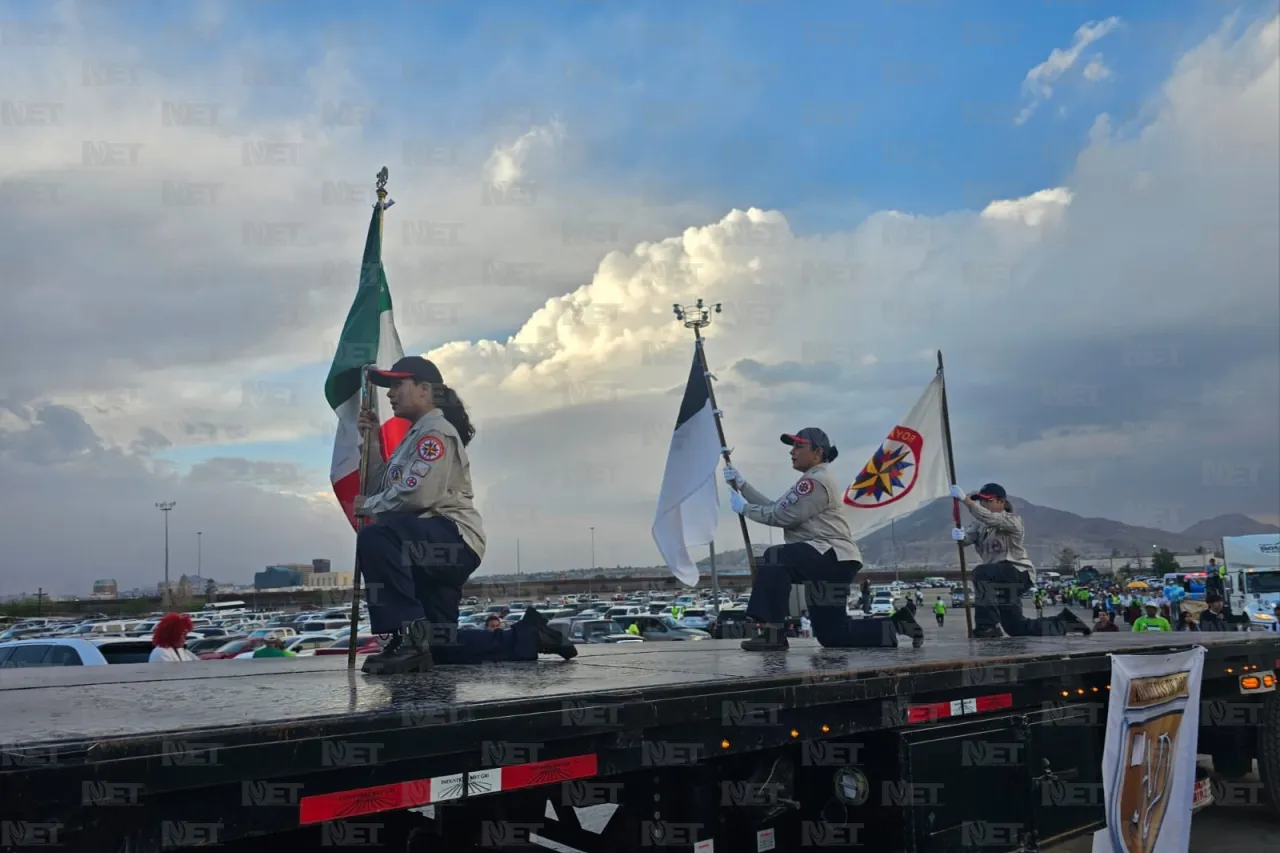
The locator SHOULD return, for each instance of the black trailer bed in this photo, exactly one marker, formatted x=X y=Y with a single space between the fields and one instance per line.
x=104 y=712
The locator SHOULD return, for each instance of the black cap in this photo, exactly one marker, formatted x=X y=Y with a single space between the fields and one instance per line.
x=991 y=492
x=413 y=367
x=808 y=435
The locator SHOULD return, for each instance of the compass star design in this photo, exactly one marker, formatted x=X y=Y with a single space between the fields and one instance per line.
x=884 y=473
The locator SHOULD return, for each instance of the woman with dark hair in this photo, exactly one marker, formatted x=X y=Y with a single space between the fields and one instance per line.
x=427 y=538
x=818 y=551
x=997 y=534
x=170 y=640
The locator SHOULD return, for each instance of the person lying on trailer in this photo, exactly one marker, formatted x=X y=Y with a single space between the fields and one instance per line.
x=818 y=551
x=427 y=538
x=997 y=534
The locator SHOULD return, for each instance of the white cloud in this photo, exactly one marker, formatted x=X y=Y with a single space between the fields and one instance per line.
x=1096 y=71
x=1077 y=321
x=1040 y=80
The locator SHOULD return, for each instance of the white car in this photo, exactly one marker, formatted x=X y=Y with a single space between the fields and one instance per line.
x=301 y=644
x=57 y=651
x=882 y=605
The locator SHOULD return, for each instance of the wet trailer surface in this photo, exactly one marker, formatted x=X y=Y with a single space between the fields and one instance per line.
x=100 y=711
x=197 y=742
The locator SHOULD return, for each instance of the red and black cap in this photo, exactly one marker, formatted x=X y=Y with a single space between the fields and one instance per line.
x=990 y=492
x=413 y=367
x=809 y=435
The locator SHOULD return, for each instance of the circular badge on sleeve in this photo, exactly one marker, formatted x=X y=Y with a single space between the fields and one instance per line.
x=804 y=487
x=431 y=449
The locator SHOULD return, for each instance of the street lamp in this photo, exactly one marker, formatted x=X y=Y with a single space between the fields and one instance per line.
x=166 y=507
x=199 y=573
x=593 y=549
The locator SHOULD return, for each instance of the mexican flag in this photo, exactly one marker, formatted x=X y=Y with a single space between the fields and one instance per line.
x=369 y=336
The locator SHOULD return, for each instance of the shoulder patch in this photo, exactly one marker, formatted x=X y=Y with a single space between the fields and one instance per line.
x=431 y=449
x=394 y=473
x=419 y=468
x=411 y=482
x=804 y=487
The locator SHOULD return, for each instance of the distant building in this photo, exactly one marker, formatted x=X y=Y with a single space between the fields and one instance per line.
x=320 y=567
x=331 y=580
x=278 y=577
x=105 y=588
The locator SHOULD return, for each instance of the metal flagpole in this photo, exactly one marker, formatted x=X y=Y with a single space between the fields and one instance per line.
x=698 y=317
x=367 y=403
x=955 y=504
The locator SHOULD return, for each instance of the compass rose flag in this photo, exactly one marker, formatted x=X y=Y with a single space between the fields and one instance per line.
x=907 y=471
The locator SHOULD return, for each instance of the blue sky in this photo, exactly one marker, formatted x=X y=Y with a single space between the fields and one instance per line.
x=827 y=114
x=750 y=102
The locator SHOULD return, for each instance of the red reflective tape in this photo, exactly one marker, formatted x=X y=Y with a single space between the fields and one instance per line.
x=362 y=801
x=928 y=713
x=995 y=703
x=549 y=772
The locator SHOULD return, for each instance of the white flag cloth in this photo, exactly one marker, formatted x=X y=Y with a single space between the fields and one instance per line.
x=908 y=471
x=689 y=502
x=1149 y=760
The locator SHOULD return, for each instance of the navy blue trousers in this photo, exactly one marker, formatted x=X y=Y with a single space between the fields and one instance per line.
x=997 y=600
x=826 y=586
x=414 y=568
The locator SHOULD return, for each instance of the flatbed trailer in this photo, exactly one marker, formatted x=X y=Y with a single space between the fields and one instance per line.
x=659 y=746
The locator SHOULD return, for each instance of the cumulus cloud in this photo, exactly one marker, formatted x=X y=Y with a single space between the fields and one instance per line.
x=1111 y=342
x=1038 y=85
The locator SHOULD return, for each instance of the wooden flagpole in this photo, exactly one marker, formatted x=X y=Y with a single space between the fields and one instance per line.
x=955 y=504
x=697 y=317
x=366 y=404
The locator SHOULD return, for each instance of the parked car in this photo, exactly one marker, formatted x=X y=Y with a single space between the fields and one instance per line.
x=56 y=651
x=227 y=651
x=661 y=628
x=595 y=631
x=366 y=644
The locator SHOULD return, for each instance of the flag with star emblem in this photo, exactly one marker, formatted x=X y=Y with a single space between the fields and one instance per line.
x=907 y=471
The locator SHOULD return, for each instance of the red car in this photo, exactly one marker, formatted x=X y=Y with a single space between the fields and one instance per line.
x=233 y=648
x=366 y=644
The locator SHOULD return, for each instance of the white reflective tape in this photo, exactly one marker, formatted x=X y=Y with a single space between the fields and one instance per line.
x=957 y=707
x=448 y=787
x=970 y=706
x=765 y=840
x=484 y=781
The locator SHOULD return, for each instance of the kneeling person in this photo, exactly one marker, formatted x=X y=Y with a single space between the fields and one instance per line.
x=819 y=552
x=427 y=537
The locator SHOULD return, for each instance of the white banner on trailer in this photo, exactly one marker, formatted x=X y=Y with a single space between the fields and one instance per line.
x=1149 y=761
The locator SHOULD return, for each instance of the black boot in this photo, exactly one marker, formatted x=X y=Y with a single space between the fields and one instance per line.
x=550 y=641
x=767 y=638
x=1073 y=623
x=988 y=632
x=400 y=655
x=904 y=622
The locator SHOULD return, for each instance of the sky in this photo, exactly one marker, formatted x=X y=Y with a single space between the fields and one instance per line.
x=1077 y=202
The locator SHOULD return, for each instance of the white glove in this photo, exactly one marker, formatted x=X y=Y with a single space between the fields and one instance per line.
x=957 y=493
x=732 y=477
x=737 y=502
x=958 y=534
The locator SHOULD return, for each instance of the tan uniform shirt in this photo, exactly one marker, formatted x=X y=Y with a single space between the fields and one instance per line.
x=813 y=512
x=429 y=473
x=998 y=536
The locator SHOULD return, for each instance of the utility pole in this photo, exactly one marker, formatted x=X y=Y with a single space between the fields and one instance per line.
x=166 y=507
x=517 y=568
x=592 y=574
x=199 y=562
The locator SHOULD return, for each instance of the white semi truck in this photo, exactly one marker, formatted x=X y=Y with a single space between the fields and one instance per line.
x=1253 y=576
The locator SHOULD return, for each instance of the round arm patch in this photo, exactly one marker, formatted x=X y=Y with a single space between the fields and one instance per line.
x=431 y=448
x=804 y=487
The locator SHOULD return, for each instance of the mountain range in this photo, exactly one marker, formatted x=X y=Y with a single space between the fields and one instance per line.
x=922 y=538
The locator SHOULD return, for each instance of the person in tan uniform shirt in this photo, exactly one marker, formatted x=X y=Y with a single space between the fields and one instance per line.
x=998 y=535
x=427 y=538
x=818 y=551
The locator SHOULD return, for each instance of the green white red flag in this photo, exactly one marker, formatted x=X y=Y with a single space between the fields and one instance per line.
x=368 y=337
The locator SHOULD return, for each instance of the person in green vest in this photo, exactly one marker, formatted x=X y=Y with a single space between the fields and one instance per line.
x=273 y=648
x=939 y=611
x=1153 y=621
x=1038 y=598
x=634 y=629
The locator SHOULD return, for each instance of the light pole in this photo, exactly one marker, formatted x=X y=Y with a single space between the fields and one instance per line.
x=166 y=507
x=593 y=549
x=199 y=573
